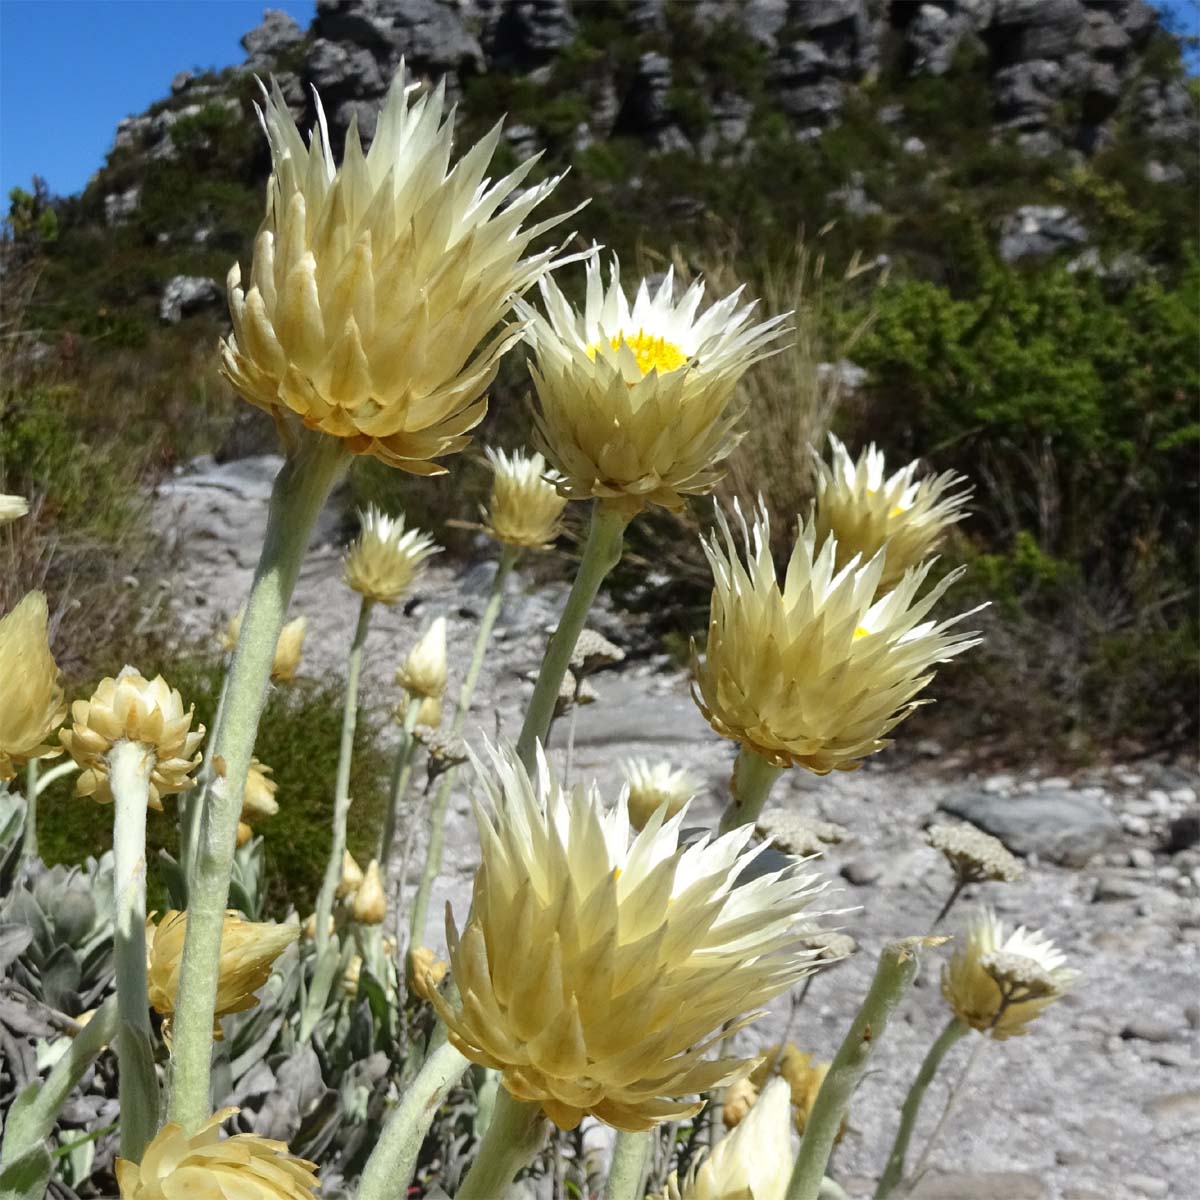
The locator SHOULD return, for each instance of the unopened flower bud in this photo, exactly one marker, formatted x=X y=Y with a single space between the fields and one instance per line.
x=425 y=669
x=33 y=702
x=370 y=901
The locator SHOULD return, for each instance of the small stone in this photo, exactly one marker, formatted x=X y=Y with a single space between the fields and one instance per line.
x=1115 y=888
x=1148 y=1185
x=1158 y=799
x=1183 y=795
x=1142 y=858
x=913 y=145
x=862 y=872
x=982 y=1185
x=1174 y=1108
x=1191 y=1015
x=1074 y=1193
x=1183 y=832
x=1061 y=782
x=995 y=784
x=1138 y=826
x=1172 y=1056
x=1146 y=1029
x=1070 y=1158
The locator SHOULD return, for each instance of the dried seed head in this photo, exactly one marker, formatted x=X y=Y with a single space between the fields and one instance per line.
x=802 y=836
x=831 y=947
x=974 y=856
x=593 y=652
x=1019 y=978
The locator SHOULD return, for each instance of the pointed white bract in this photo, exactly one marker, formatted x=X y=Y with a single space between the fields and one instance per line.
x=636 y=400
x=378 y=289
x=385 y=558
x=864 y=509
x=599 y=965
x=813 y=670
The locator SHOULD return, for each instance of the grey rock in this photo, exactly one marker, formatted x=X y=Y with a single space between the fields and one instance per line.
x=1064 y=827
x=334 y=67
x=729 y=128
x=862 y=872
x=1183 y=832
x=1163 y=109
x=1180 y=1057
x=647 y=109
x=528 y=32
x=1038 y=230
x=1026 y=93
x=266 y=41
x=1174 y=1112
x=983 y=1185
x=524 y=140
x=1147 y=1029
x=1116 y=888
x=181 y=82
x=854 y=199
x=913 y=145
x=933 y=36
x=1025 y=29
x=844 y=374
x=185 y=295
x=647 y=16
x=1147 y=1185
x=1103 y=35
x=764 y=19
x=120 y=206
x=616 y=721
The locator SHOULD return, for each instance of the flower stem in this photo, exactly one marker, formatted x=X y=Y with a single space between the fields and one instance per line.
x=341 y=795
x=895 y=973
x=401 y=774
x=35 y=1111
x=893 y=1173
x=631 y=1160
x=390 y=1167
x=601 y=552
x=959 y=884
x=513 y=1137
x=300 y=491
x=753 y=777
x=130 y=764
x=437 y=823
x=192 y=807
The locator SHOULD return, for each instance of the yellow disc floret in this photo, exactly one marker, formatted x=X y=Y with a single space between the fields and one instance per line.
x=652 y=353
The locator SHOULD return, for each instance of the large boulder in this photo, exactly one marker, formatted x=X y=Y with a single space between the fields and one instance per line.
x=1038 y=230
x=267 y=41
x=188 y=294
x=1057 y=825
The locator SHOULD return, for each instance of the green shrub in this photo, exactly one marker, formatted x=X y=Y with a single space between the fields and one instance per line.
x=299 y=737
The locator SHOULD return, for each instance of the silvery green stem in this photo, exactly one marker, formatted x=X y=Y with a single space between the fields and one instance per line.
x=893 y=1173
x=300 y=491
x=753 y=777
x=437 y=824
x=129 y=765
x=33 y=1115
x=893 y=977
x=601 y=552
x=341 y=795
x=192 y=806
x=514 y=1135
x=631 y=1160
x=401 y=774
x=390 y=1168
x=29 y=841
x=55 y=773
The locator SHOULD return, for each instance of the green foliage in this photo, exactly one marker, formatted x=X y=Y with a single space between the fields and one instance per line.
x=299 y=737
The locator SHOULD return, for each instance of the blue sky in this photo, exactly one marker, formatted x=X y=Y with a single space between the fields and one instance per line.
x=71 y=69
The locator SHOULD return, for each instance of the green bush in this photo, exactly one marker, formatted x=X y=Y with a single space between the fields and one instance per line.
x=299 y=737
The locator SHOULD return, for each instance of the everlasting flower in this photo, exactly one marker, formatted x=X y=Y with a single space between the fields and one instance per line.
x=652 y=785
x=385 y=559
x=287 y=648
x=525 y=506
x=815 y=671
x=632 y=953
x=33 y=702
x=258 y=797
x=636 y=402
x=998 y=984
x=374 y=284
x=425 y=670
x=12 y=508
x=370 y=902
x=351 y=879
x=427 y=971
x=864 y=510
x=131 y=708
x=754 y=1162
x=205 y=1167
x=974 y=855
x=248 y=951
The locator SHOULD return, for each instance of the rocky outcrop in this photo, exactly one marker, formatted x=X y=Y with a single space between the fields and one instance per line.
x=188 y=294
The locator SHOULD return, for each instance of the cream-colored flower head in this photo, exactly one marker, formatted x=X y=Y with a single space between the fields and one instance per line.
x=12 y=508
x=287 y=649
x=525 y=506
x=374 y=284
x=351 y=879
x=370 y=902
x=814 y=670
x=865 y=509
x=651 y=785
x=385 y=558
x=636 y=401
x=258 y=797
x=134 y=709
x=248 y=951
x=973 y=855
x=424 y=671
x=32 y=704
x=207 y=1167
x=1003 y=1007
x=634 y=951
x=754 y=1162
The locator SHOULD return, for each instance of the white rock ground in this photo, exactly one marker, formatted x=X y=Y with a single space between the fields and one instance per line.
x=1100 y=1102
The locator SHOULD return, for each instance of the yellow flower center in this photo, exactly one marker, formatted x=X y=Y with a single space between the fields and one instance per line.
x=652 y=353
x=861 y=632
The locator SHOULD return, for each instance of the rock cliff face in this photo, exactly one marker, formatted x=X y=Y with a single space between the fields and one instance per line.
x=1059 y=71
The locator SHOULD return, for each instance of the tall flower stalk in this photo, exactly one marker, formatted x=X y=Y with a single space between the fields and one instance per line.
x=299 y=493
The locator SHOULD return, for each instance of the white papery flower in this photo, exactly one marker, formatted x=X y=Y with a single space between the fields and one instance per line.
x=652 y=785
x=384 y=560
x=865 y=509
x=375 y=283
x=599 y=966
x=636 y=401
x=525 y=506
x=425 y=670
x=815 y=671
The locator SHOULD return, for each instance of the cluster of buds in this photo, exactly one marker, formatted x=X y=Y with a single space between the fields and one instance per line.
x=288 y=647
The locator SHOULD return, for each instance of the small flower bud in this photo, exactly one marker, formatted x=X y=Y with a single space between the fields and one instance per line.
x=370 y=901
